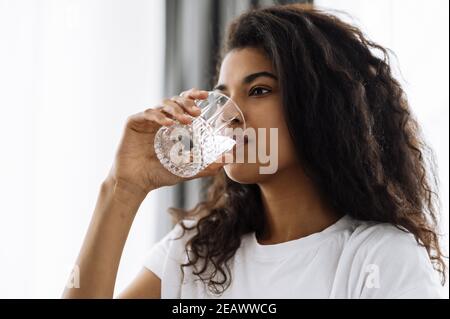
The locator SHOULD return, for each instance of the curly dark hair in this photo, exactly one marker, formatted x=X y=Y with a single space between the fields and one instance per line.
x=352 y=129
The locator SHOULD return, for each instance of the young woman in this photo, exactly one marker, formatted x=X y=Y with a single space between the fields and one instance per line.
x=350 y=211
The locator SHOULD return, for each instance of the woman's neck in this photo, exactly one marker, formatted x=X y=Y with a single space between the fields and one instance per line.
x=293 y=208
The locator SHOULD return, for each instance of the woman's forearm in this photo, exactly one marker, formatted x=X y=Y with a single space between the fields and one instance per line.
x=99 y=258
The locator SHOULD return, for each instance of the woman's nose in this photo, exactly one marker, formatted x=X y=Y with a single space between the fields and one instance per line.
x=239 y=118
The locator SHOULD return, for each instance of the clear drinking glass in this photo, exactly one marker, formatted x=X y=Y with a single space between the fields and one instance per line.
x=185 y=150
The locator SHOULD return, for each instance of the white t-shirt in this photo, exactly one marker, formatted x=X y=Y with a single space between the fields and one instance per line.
x=349 y=259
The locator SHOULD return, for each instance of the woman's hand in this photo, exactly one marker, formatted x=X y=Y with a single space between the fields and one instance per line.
x=136 y=166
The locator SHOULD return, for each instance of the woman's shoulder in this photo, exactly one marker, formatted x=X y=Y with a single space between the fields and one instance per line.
x=171 y=248
x=392 y=258
x=385 y=241
x=183 y=229
x=385 y=236
x=180 y=234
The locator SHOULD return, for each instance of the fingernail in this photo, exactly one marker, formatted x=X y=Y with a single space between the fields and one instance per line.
x=187 y=117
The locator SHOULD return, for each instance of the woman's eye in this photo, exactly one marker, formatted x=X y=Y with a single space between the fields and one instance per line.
x=259 y=91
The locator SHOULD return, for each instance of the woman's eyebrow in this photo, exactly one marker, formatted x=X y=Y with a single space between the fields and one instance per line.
x=248 y=79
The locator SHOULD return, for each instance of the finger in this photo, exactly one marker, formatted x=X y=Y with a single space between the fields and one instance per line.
x=188 y=105
x=176 y=111
x=195 y=94
x=157 y=116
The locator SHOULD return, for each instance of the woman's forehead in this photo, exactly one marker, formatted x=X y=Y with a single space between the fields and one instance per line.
x=240 y=62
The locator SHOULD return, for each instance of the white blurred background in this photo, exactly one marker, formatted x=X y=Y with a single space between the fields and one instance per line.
x=71 y=71
x=70 y=74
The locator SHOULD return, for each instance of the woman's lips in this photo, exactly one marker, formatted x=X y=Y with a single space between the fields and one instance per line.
x=239 y=147
x=241 y=141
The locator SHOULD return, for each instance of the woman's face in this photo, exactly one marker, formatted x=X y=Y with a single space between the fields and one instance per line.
x=248 y=77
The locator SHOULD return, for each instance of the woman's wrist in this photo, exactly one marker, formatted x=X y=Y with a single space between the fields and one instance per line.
x=122 y=192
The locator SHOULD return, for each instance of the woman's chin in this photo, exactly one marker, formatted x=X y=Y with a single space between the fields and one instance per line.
x=243 y=173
